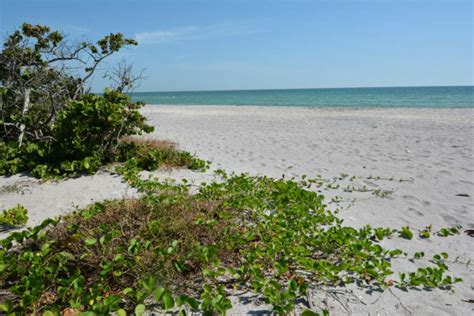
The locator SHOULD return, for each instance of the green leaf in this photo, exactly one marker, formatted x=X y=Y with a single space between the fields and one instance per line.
x=118 y=257
x=90 y=241
x=293 y=285
x=6 y=307
x=419 y=255
x=121 y=312
x=158 y=293
x=194 y=304
x=379 y=234
x=406 y=233
x=140 y=309
x=179 y=266
x=168 y=300
x=127 y=290
x=308 y=312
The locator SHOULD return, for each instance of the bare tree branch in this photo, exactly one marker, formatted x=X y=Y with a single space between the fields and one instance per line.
x=124 y=78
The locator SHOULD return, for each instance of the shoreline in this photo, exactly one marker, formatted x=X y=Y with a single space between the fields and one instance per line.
x=321 y=109
x=433 y=147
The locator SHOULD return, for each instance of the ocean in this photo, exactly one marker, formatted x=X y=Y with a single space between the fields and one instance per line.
x=425 y=97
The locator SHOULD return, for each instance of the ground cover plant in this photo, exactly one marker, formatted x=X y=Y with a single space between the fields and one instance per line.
x=175 y=250
x=15 y=216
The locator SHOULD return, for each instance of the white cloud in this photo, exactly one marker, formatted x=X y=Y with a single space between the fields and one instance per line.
x=194 y=33
x=162 y=36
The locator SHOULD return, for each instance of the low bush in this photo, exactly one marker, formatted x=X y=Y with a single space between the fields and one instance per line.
x=17 y=159
x=87 y=134
x=93 y=125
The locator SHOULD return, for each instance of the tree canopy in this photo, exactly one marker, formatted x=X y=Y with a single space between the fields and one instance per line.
x=49 y=120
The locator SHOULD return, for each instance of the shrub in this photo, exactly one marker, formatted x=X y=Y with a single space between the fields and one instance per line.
x=84 y=136
x=143 y=155
x=93 y=125
x=18 y=159
x=90 y=132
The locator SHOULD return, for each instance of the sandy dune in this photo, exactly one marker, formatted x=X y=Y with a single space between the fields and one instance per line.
x=430 y=151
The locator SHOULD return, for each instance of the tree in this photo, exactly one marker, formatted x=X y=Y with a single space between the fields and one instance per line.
x=50 y=123
x=40 y=71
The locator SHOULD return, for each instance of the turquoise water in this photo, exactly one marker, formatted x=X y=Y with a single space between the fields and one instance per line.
x=434 y=97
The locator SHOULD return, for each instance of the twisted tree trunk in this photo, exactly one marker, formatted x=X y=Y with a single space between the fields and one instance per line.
x=26 y=104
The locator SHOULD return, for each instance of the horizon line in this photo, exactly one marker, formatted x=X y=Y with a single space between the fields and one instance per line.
x=319 y=88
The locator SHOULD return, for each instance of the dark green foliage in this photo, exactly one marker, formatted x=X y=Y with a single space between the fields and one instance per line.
x=18 y=159
x=93 y=125
x=87 y=134
x=15 y=216
x=37 y=160
x=186 y=251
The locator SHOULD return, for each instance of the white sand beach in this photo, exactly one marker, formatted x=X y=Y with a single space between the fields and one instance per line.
x=430 y=150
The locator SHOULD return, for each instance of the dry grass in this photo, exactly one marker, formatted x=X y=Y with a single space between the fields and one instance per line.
x=157 y=224
x=152 y=153
x=151 y=143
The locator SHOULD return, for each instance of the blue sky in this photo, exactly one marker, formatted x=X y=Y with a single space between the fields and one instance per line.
x=252 y=44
